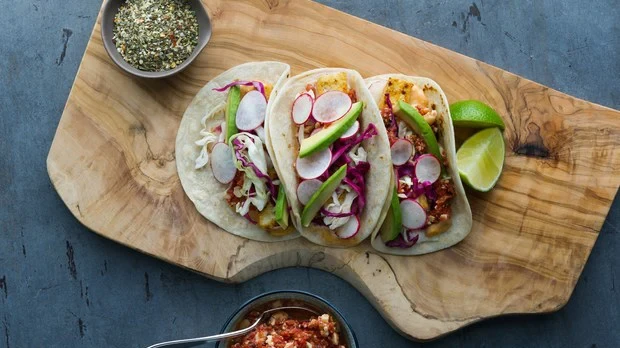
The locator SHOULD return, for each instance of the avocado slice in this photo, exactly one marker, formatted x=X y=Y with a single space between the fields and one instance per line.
x=393 y=220
x=282 y=208
x=413 y=119
x=322 y=139
x=322 y=195
x=232 y=104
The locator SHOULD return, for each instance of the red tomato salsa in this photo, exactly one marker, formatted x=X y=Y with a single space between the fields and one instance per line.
x=285 y=331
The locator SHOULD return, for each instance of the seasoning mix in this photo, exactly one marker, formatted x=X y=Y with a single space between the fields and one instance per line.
x=155 y=35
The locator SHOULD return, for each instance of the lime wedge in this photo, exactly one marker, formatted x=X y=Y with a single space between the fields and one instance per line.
x=481 y=158
x=474 y=114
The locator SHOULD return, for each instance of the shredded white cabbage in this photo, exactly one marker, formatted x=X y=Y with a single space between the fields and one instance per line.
x=253 y=152
x=358 y=154
x=403 y=130
x=336 y=206
x=405 y=180
x=207 y=138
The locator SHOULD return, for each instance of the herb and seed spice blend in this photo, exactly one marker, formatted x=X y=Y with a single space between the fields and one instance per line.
x=155 y=35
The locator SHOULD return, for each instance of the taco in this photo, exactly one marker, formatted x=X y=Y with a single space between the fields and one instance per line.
x=330 y=149
x=428 y=207
x=221 y=154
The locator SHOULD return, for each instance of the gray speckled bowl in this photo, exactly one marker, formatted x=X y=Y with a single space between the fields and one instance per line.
x=110 y=8
x=314 y=301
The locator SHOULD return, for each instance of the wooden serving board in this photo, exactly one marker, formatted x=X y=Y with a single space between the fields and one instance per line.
x=112 y=162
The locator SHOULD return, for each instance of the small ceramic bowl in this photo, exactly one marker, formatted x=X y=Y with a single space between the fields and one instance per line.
x=313 y=301
x=110 y=8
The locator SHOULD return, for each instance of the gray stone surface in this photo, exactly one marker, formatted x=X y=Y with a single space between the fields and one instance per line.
x=63 y=286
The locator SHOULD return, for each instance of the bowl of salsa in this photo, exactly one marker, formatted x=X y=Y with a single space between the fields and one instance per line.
x=290 y=328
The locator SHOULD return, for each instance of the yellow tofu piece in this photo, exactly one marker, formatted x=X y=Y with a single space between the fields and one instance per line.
x=268 y=89
x=438 y=228
x=267 y=221
x=333 y=82
x=267 y=217
x=398 y=90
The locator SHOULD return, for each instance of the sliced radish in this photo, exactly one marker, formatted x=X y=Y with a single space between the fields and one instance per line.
x=222 y=163
x=351 y=131
x=401 y=151
x=331 y=106
x=251 y=111
x=302 y=108
x=413 y=214
x=349 y=229
x=306 y=189
x=314 y=165
x=427 y=168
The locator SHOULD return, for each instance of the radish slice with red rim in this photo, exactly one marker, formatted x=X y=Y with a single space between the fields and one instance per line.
x=349 y=229
x=251 y=111
x=302 y=108
x=413 y=215
x=351 y=131
x=401 y=151
x=222 y=163
x=427 y=168
x=331 y=106
x=306 y=189
x=314 y=165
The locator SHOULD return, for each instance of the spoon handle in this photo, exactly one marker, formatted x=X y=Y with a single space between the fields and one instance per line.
x=204 y=339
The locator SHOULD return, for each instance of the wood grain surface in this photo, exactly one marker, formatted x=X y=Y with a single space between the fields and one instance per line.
x=112 y=162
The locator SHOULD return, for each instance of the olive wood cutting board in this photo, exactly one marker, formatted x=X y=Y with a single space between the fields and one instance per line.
x=112 y=163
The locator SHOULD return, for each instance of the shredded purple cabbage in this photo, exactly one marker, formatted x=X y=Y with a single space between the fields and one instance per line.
x=400 y=242
x=355 y=179
x=347 y=145
x=355 y=173
x=418 y=188
x=257 y=84
x=247 y=216
x=388 y=102
x=244 y=162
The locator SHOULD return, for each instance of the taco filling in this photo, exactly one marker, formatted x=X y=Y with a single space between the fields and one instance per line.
x=421 y=203
x=236 y=151
x=332 y=162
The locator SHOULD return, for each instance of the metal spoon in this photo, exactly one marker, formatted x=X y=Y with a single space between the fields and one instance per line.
x=237 y=333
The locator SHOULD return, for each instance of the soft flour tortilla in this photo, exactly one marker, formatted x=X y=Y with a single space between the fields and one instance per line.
x=461 y=212
x=284 y=148
x=199 y=184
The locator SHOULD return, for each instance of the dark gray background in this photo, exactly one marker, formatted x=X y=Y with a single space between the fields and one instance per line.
x=63 y=286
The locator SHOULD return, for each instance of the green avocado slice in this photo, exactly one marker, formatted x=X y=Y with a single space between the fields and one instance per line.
x=232 y=104
x=413 y=119
x=322 y=195
x=393 y=220
x=322 y=139
x=282 y=208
